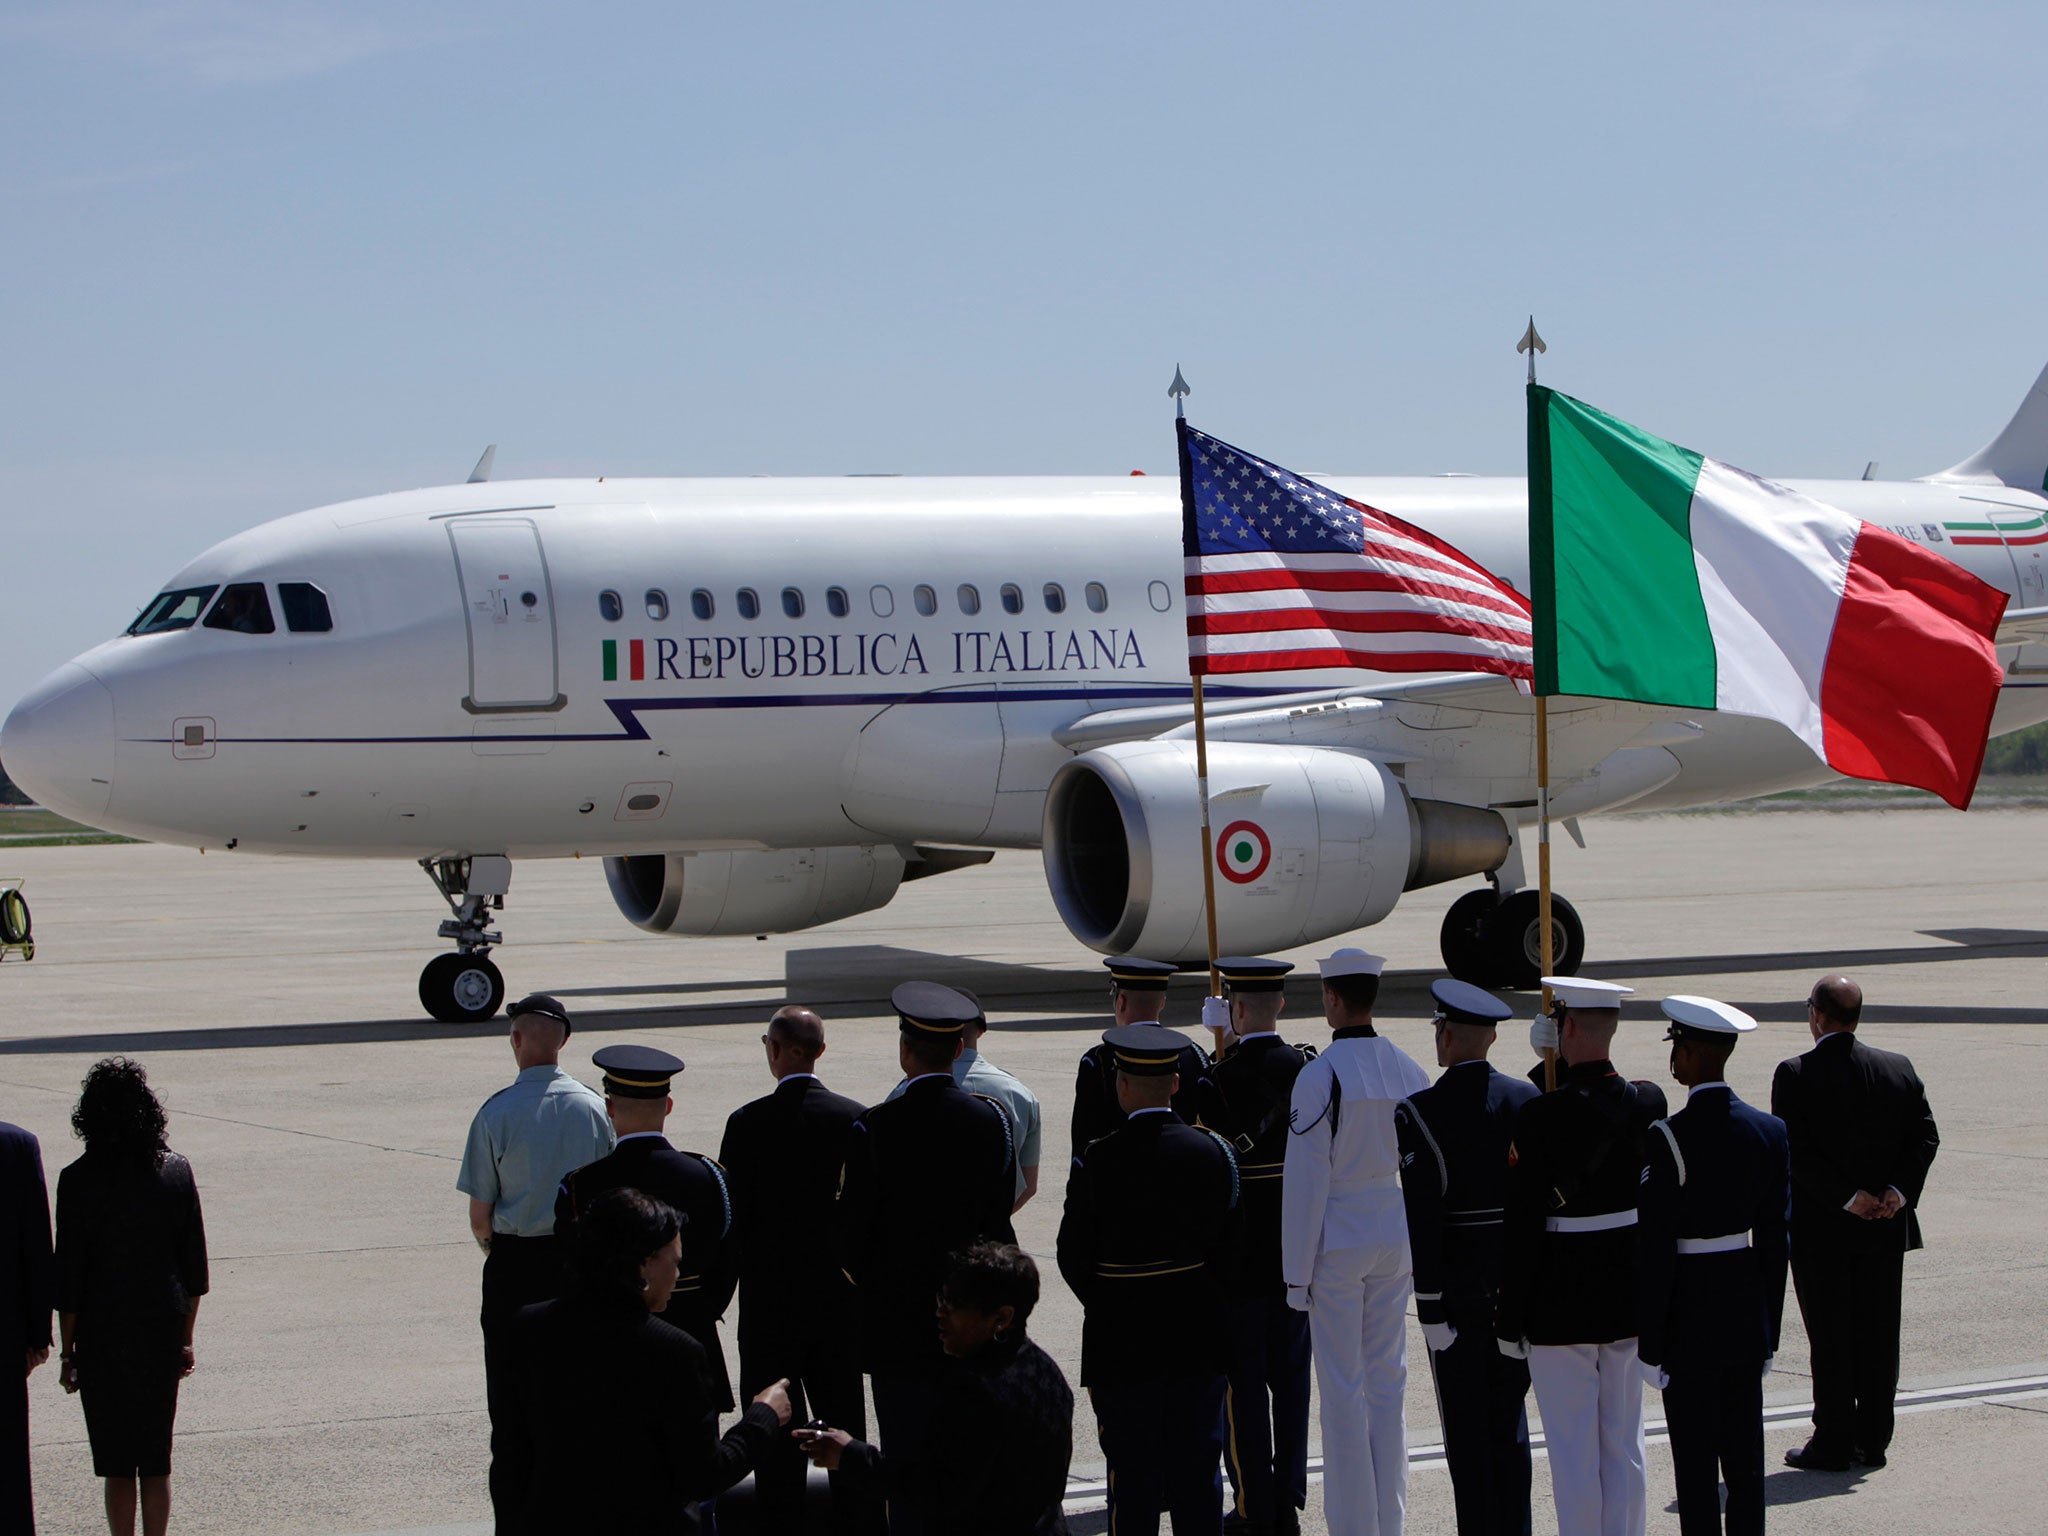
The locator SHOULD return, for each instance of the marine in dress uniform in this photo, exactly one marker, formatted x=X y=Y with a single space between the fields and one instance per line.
x=1713 y=1213
x=926 y=1175
x=1863 y=1140
x=1571 y=1282
x=1146 y=1242
x=1137 y=990
x=782 y=1155
x=1454 y=1140
x=1344 y=1249
x=1249 y=1090
x=636 y=1087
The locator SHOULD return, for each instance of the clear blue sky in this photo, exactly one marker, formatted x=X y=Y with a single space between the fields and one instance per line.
x=256 y=256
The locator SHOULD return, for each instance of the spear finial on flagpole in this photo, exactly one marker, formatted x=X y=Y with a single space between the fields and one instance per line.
x=1178 y=392
x=1531 y=343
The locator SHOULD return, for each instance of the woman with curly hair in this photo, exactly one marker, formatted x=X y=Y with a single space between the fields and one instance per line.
x=131 y=1267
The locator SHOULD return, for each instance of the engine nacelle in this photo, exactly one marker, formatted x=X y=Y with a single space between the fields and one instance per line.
x=1308 y=842
x=776 y=891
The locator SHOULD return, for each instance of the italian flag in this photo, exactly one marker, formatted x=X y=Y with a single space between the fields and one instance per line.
x=1665 y=577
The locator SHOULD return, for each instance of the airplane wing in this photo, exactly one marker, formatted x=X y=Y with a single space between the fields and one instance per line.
x=1464 y=737
x=2023 y=626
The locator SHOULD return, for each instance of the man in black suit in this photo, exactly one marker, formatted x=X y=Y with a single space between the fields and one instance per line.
x=25 y=1291
x=783 y=1154
x=1863 y=1139
x=927 y=1174
x=1148 y=1241
x=636 y=1097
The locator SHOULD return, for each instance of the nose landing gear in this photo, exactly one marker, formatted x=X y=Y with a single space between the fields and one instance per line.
x=465 y=987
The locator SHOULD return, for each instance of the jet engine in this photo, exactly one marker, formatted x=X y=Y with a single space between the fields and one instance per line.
x=775 y=891
x=1308 y=842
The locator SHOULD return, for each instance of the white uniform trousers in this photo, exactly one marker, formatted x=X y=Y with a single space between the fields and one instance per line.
x=1358 y=1323
x=1591 y=1398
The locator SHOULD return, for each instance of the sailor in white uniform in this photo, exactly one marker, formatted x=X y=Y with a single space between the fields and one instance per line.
x=1344 y=1248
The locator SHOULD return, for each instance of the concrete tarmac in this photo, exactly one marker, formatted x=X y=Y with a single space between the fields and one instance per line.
x=340 y=1387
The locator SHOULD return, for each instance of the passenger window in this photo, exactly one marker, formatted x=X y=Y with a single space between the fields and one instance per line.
x=1098 y=597
x=701 y=604
x=1055 y=597
x=793 y=602
x=172 y=610
x=1013 y=597
x=657 y=604
x=926 y=599
x=609 y=608
x=305 y=608
x=749 y=602
x=970 y=598
x=243 y=608
x=836 y=603
x=882 y=600
x=1161 y=598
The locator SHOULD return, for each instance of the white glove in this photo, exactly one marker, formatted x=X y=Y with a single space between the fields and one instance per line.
x=1543 y=1034
x=1439 y=1336
x=1297 y=1297
x=1767 y=1365
x=1215 y=1013
x=1653 y=1375
x=1514 y=1349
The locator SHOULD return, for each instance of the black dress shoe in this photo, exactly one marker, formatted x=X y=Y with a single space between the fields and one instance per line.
x=1807 y=1459
x=1871 y=1459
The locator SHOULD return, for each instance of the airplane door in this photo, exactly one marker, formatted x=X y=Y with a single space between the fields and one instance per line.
x=511 y=613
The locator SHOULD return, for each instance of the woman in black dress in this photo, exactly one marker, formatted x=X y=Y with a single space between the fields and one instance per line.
x=131 y=1267
x=1003 y=1427
x=618 y=1423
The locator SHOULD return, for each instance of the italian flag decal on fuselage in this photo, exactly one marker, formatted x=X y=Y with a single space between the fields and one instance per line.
x=636 y=660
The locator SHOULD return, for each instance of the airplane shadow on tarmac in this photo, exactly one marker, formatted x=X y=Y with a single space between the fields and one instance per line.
x=1055 y=1000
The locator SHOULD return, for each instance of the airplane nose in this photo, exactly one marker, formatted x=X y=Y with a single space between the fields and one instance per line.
x=58 y=744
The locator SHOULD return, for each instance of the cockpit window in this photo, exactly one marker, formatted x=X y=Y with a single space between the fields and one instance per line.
x=172 y=610
x=244 y=608
x=305 y=608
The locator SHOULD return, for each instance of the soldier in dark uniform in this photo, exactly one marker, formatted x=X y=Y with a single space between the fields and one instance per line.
x=782 y=1154
x=1714 y=1207
x=1454 y=1138
x=636 y=1096
x=1570 y=1281
x=927 y=1174
x=1147 y=1241
x=1266 y=1410
x=1137 y=990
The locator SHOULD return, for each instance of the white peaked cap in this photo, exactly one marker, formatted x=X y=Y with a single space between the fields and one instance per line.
x=1352 y=962
x=1705 y=1013
x=1583 y=992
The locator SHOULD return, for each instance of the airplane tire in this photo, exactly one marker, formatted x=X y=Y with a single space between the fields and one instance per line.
x=1515 y=940
x=1463 y=936
x=15 y=925
x=461 y=989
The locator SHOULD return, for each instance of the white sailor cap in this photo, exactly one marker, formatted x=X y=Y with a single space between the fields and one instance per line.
x=1584 y=992
x=1352 y=962
x=1704 y=1016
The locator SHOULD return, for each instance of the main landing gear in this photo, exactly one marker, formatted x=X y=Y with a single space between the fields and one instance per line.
x=1493 y=938
x=465 y=987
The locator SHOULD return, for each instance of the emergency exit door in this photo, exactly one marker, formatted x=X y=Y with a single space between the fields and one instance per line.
x=510 y=611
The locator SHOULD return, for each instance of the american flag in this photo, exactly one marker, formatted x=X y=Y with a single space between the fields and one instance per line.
x=1283 y=574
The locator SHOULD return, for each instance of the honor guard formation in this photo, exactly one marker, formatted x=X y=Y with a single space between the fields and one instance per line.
x=1232 y=1224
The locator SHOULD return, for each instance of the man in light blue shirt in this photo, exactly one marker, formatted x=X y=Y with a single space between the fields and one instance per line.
x=977 y=1074
x=524 y=1140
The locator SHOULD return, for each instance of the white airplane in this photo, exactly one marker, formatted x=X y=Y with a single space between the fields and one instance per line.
x=765 y=703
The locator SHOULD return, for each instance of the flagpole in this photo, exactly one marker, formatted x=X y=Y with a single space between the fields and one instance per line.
x=1532 y=343
x=1179 y=391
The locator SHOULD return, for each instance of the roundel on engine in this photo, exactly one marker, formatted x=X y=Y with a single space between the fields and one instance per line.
x=1243 y=852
